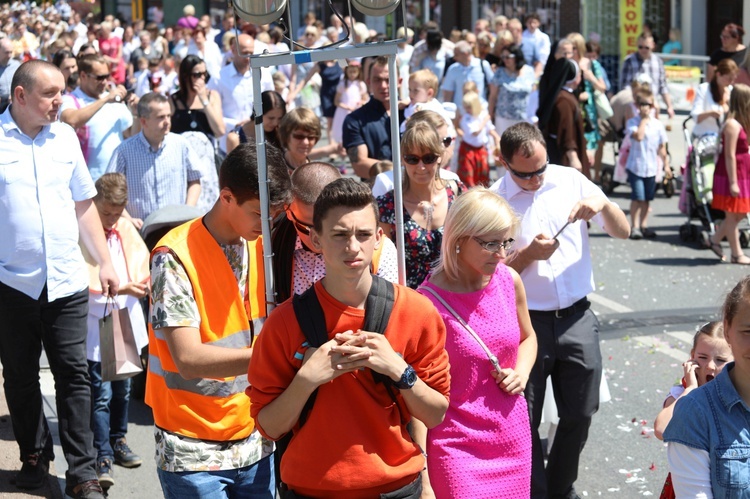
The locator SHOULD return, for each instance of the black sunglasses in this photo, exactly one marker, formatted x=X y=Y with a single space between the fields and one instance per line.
x=447 y=141
x=528 y=175
x=427 y=159
x=303 y=228
x=644 y=47
x=99 y=77
x=495 y=246
x=199 y=74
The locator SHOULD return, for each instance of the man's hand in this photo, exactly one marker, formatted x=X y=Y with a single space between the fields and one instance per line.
x=670 y=112
x=586 y=208
x=541 y=247
x=109 y=280
x=321 y=365
x=366 y=349
x=115 y=93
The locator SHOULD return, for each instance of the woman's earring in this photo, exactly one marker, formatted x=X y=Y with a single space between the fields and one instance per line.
x=458 y=249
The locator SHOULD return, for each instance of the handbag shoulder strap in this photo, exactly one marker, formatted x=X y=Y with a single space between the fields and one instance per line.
x=490 y=355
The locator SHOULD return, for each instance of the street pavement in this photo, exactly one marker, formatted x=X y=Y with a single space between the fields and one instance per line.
x=651 y=295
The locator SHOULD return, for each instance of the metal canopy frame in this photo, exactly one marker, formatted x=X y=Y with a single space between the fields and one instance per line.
x=387 y=48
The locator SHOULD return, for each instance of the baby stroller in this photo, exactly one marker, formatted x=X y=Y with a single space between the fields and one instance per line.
x=696 y=194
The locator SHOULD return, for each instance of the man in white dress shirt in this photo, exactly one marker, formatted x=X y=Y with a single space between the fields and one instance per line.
x=557 y=273
x=535 y=44
x=235 y=83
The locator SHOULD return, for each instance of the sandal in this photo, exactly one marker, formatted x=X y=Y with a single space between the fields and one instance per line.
x=741 y=259
x=716 y=248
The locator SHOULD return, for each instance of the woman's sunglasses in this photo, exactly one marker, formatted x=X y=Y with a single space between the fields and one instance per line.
x=427 y=159
x=199 y=74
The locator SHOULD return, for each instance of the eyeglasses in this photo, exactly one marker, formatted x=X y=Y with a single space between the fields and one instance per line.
x=447 y=141
x=642 y=103
x=99 y=77
x=644 y=47
x=199 y=74
x=427 y=159
x=495 y=246
x=303 y=228
x=528 y=175
x=302 y=136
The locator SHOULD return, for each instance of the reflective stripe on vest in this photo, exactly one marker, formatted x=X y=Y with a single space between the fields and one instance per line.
x=202 y=386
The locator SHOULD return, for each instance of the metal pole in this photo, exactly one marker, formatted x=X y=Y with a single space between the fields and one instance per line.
x=398 y=200
x=263 y=182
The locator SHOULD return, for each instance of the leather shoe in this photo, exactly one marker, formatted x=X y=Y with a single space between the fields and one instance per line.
x=33 y=472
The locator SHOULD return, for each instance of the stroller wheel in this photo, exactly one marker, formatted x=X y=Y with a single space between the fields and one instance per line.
x=607 y=180
x=686 y=232
x=745 y=238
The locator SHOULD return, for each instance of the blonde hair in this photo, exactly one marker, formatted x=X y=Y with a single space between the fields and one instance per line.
x=472 y=103
x=739 y=105
x=470 y=86
x=503 y=40
x=425 y=79
x=579 y=42
x=473 y=214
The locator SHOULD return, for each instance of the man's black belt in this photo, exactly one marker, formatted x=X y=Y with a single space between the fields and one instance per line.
x=579 y=306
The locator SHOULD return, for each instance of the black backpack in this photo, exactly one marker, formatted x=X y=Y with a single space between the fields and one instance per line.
x=312 y=321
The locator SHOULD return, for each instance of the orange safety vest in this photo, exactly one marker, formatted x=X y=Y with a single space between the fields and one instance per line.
x=207 y=408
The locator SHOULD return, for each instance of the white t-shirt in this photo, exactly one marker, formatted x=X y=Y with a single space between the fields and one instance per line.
x=105 y=129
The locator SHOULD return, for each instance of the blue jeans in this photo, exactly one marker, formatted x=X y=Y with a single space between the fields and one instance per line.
x=251 y=482
x=109 y=410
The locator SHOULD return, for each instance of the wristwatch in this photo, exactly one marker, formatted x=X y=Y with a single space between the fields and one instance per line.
x=408 y=379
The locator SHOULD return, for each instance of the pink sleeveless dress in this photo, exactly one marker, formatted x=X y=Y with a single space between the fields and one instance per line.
x=483 y=447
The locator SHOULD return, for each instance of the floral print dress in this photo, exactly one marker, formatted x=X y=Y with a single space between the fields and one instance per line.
x=422 y=245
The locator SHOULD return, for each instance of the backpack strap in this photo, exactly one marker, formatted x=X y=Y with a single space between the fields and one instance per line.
x=283 y=239
x=312 y=322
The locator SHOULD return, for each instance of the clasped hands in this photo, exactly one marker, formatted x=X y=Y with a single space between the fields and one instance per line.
x=348 y=352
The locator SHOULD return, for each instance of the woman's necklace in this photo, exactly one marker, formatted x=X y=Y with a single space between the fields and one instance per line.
x=428 y=209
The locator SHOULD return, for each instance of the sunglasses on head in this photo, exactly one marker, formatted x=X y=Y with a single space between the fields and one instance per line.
x=427 y=159
x=303 y=228
x=528 y=175
x=199 y=74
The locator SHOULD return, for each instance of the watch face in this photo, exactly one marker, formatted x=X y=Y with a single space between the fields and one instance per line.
x=411 y=376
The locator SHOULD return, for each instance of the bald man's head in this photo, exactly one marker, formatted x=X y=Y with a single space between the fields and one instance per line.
x=309 y=180
x=6 y=51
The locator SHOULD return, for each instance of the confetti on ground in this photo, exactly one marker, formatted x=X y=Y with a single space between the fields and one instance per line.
x=652 y=467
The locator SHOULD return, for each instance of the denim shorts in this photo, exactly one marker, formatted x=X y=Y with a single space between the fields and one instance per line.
x=642 y=188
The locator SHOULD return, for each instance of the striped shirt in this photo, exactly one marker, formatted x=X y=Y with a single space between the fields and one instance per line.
x=633 y=65
x=155 y=178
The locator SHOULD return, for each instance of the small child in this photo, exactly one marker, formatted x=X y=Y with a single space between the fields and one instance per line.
x=130 y=259
x=281 y=85
x=423 y=87
x=477 y=128
x=351 y=93
x=709 y=355
x=648 y=144
x=378 y=168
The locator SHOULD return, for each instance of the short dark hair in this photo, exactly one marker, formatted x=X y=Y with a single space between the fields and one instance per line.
x=518 y=53
x=520 y=138
x=26 y=76
x=86 y=62
x=532 y=15
x=239 y=174
x=434 y=39
x=61 y=56
x=144 y=104
x=344 y=192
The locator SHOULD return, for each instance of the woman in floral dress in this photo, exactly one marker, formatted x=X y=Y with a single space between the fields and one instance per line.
x=426 y=201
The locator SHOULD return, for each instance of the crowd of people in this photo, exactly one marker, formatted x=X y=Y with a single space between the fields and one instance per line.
x=441 y=381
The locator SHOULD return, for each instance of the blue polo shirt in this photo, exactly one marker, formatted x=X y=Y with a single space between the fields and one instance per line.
x=369 y=125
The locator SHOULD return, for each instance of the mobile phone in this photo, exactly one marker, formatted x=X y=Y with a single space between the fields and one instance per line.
x=561 y=229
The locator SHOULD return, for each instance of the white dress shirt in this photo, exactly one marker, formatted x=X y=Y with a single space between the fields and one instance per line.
x=40 y=181
x=567 y=276
x=236 y=91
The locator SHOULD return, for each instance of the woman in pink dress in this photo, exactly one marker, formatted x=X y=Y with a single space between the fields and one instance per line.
x=483 y=447
x=110 y=47
x=731 y=188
